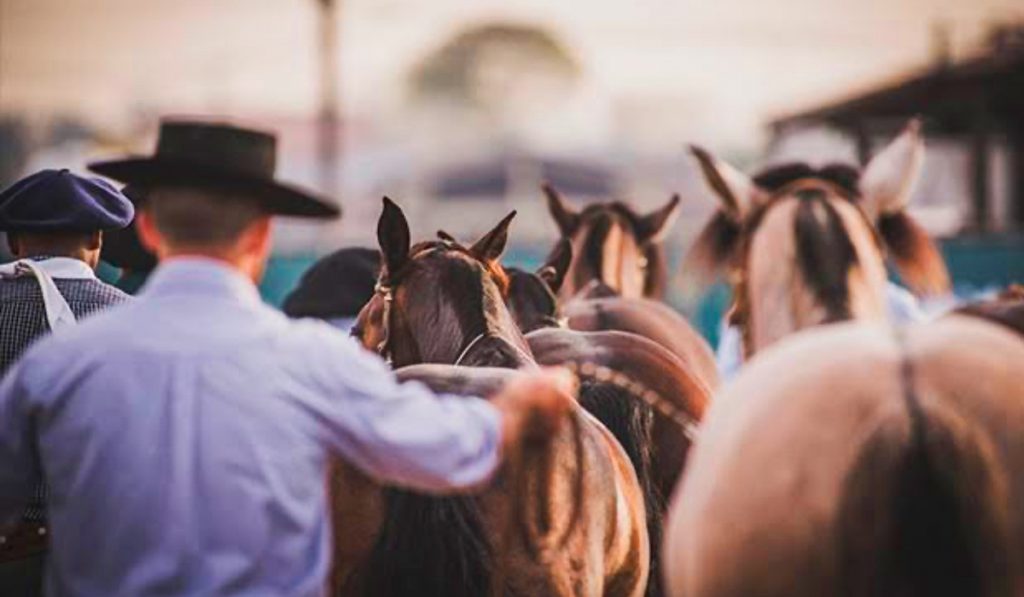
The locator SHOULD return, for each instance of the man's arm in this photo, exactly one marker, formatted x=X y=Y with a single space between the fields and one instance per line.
x=19 y=467
x=406 y=435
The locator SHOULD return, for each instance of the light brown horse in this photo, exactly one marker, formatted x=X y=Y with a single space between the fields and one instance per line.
x=615 y=245
x=442 y=304
x=803 y=246
x=854 y=458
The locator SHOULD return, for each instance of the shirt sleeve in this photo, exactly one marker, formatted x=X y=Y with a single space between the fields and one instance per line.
x=404 y=434
x=19 y=467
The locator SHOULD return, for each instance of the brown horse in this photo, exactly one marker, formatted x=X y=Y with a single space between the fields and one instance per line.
x=441 y=303
x=657 y=441
x=803 y=246
x=613 y=244
x=535 y=304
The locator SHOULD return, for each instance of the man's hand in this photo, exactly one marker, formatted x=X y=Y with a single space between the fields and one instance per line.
x=535 y=405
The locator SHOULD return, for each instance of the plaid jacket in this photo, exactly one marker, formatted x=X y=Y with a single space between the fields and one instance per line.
x=23 y=320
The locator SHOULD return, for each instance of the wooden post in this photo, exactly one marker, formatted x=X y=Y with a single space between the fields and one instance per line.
x=328 y=141
x=979 y=175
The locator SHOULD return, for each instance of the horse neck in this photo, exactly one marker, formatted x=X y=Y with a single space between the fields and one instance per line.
x=607 y=251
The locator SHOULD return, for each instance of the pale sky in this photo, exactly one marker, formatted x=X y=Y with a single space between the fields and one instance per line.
x=730 y=64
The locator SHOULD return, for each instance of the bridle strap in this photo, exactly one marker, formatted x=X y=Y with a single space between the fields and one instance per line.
x=383 y=348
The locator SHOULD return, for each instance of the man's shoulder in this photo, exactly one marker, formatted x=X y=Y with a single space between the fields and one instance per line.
x=91 y=291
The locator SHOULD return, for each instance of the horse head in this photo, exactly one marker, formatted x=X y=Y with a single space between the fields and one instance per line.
x=614 y=244
x=437 y=300
x=805 y=246
x=533 y=296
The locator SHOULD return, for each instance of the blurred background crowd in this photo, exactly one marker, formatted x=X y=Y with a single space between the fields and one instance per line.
x=459 y=109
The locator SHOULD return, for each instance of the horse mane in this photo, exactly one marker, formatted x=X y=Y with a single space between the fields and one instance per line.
x=825 y=255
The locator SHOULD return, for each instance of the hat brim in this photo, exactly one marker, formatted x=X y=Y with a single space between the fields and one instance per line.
x=277 y=198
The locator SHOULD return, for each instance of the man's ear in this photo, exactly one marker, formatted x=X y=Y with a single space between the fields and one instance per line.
x=393 y=237
x=492 y=245
x=567 y=219
x=149 y=237
x=95 y=240
x=557 y=264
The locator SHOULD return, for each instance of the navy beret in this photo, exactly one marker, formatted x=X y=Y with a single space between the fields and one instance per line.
x=59 y=201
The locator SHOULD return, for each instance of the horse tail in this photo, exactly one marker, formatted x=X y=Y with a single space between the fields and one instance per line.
x=925 y=509
x=630 y=421
x=429 y=547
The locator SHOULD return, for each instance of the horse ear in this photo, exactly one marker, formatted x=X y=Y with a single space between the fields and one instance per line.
x=734 y=189
x=492 y=245
x=889 y=177
x=717 y=243
x=557 y=264
x=653 y=227
x=886 y=186
x=393 y=237
x=567 y=219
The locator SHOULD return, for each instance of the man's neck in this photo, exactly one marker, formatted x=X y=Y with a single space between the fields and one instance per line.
x=246 y=266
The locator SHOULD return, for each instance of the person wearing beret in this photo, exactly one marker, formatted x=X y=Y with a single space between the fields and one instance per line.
x=186 y=435
x=336 y=287
x=55 y=221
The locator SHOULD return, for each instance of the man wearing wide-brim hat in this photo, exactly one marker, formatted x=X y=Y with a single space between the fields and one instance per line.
x=185 y=436
x=55 y=223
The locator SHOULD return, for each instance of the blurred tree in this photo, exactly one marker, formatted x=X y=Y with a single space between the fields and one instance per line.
x=491 y=67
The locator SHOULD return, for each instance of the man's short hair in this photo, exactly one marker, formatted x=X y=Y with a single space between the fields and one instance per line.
x=190 y=216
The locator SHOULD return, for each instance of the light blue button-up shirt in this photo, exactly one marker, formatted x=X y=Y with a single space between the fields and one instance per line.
x=185 y=438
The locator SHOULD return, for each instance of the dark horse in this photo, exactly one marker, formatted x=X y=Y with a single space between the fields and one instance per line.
x=615 y=245
x=657 y=444
x=442 y=304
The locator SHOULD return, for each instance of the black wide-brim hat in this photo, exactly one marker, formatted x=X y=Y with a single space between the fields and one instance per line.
x=122 y=248
x=220 y=156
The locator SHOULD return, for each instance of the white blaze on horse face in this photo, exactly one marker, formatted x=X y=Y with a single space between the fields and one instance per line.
x=889 y=177
x=773 y=285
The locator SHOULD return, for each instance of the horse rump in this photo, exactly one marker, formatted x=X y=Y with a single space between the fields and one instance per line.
x=630 y=420
x=924 y=512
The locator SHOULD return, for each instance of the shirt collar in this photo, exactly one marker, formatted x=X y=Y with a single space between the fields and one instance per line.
x=64 y=268
x=199 y=276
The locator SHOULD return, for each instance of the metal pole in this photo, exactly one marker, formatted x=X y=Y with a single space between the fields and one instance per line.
x=329 y=143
